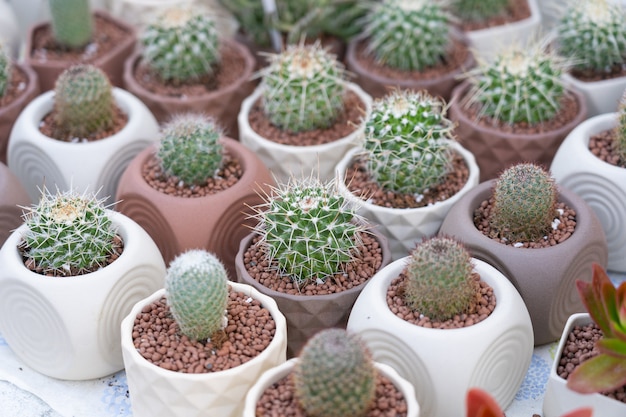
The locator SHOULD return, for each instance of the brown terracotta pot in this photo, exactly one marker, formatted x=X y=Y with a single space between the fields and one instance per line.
x=111 y=63
x=12 y=196
x=496 y=150
x=216 y=222
x=545 y=278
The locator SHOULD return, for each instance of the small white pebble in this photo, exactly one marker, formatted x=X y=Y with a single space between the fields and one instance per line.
x=518 y=245
x=555 y=224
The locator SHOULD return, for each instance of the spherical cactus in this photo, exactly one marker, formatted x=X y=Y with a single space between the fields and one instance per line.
x=407 y=140
x=190 y=148
x=83 y=102
x=335 y=376
x=439 y=281
x=196 y=287
x=479 y=10
x=408 y=35
x=303 y=88
x=524 y=206
x=71 y=22
x=182 y=44
x=6 y=69
x=68 y=233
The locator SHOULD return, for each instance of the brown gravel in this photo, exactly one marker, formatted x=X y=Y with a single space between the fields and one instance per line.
x=589 y=75
x=48 y=127
x=517 y=10
x=15 y=88
x=602 y=145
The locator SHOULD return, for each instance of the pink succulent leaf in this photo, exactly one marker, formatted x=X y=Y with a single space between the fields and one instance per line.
x=621 y=307
x=612 y=346
x=581 y=412
x=480 y=403
x=598 y=374
x=590 y=294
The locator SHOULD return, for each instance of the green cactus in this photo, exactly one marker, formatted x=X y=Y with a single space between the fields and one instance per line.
x=619 y=143
x=439 y=281
x=407 y=141
x=479 y=10
x=524 y=207
x=72 y=22
x=335 y=375
x=6 y=69
x=190 y=148
x=309 y=229
x=83 y=102
x=303 y=88
x=68 y=233
x=182 y=44
x=592 y=33
x=196 y=287
x=409 y=36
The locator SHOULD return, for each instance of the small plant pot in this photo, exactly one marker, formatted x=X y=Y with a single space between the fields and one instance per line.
x=601 y=96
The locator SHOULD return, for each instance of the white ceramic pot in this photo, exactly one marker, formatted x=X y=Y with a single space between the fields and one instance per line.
x=287 y=160
x=404 y=227
x=9 y=31
x=157 y=392
x=68 y=328
x=600 y=184
x=442 y=365
x=601 y=96
x=97 y=166
x=277 y=373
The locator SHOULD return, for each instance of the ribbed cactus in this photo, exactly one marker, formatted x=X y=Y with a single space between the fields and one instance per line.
x=524 y=207
x=619 y=143
x=83 y=102
x=68 y=233
x=335 y=375
x=309 y=229
x=408 y=35
x=196 y=287
x=592 y=33
x=6 y=69
x=479 y=10
x=190 y=148
x=72 y=22
x=303 y=88
x=439 y=281
x=182 y=44
x=407 y=140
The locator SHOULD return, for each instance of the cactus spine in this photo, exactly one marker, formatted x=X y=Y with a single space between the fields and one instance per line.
x=479 y=10
x=71 y=22
x=6 y=69
x=335 y=376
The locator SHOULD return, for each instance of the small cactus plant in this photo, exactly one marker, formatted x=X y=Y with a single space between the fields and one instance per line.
x=439 y=281
x=303 y=88
x=196 y=287
x=479 y=10
x=190 y=148
x=619 y=142
x=83 y=102
x=182 y=44
x=71 y=22
x=68 y=233
x=524 y=203
x=6 y=69
x=335 y=375
x=407 y=141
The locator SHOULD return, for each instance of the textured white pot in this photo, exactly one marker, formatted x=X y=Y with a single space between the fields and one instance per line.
x=68 y=328
x=442 y=365
x=9 y=31
x=601 y=96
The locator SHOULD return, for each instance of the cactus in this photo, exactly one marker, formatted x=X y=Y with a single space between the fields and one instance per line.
x=335 y=375
x=68 y=233
x=71 y=22
x=619 y=142
x=408 y=35
x=309 y=229
x=83 y=102
x=190 y=148
x=439 y=281
x=524 y=206
x=6 y=69
x=182 y=44
x=196 y=287
x=303 y=88
x=407 y=141
x=593 y=34
x=479 y=10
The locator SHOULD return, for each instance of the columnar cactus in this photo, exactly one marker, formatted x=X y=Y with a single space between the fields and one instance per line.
x=182 y=44
x=439 y=281
x=303 y=88
x=407 y=140
x=68 y=233
x=83 y=102
x=6 y=69
x=71 y=22
x=620 y=131
x=408 y=35
x=335 y=376
x=479 y=10
x=196 y=288
x=524 y=206
x=190 y=148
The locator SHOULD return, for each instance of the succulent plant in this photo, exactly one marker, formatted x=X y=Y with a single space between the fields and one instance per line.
x=303 y=88
x=524 y=206
x=407 y=141
x=83 y=102
x=335 y=375
x=620 y=131
x=71 y=22
x=190 y=148
x=408 y=35
x=181 y=44
x=196 y=286
x=479 y=10
x=6 y=69
x=439 y=281
x=68 y=233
